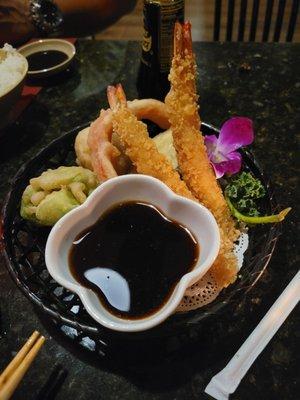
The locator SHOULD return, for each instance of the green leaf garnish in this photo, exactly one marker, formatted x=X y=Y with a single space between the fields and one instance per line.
x=257 y=220
x=241 y=195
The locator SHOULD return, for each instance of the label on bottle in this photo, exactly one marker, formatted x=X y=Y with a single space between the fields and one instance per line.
x=169 y=14
x=150 y=44
x=159 y=20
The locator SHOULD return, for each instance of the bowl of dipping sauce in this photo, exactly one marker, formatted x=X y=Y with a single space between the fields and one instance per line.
x=131 y=251
x=47 y=57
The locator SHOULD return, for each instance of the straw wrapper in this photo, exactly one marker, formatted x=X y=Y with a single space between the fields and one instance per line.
x=227 y=380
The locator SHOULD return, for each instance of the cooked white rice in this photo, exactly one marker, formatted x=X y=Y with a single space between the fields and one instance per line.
x=12 y=66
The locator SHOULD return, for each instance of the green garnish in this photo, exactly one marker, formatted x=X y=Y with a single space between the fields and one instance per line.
x=242 y=193
x=257 y=220
x=243 y=190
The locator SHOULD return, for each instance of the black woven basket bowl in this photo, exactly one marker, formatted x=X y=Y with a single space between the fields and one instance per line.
x=24 y=246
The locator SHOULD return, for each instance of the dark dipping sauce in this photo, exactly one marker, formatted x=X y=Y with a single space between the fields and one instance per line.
x=45 y=59
x=132 y=258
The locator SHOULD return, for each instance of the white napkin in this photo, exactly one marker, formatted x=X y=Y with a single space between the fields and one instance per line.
x=227 y=380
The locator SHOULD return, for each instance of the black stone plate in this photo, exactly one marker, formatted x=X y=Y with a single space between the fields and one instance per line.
x=24 y=245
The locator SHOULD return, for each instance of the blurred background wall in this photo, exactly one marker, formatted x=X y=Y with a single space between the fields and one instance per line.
x=201 y=15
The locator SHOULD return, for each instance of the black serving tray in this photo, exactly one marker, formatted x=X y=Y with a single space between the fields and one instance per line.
x=24 y=245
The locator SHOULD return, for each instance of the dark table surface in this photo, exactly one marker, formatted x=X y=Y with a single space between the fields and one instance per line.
x=260 y=81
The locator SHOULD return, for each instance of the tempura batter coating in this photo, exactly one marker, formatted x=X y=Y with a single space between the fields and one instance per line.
x=56 y=192
x=139 y=147
x=107 y=158
x=191 y=152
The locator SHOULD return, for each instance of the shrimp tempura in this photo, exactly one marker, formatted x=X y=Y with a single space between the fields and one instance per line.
x=141 y=150
x=191 y=152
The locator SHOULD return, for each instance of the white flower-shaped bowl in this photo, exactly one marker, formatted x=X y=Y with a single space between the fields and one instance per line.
x=198 y=219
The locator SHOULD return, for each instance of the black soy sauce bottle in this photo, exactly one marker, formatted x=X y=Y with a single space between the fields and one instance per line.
x=157 y=46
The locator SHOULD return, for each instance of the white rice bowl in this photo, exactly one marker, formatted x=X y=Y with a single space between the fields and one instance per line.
x=13 y=67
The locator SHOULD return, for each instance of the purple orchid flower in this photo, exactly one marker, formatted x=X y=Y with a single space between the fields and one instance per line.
x=221 y=150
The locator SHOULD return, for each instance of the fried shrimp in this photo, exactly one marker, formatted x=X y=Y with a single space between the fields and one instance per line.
x=105 y=152
x=191 y=152
x=139 y=147
x=154 y=110
x=104 y=155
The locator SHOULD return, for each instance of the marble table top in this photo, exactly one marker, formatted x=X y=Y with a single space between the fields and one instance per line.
x=260 y=81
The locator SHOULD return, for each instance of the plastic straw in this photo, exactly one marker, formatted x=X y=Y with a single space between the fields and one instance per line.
x=227 y=380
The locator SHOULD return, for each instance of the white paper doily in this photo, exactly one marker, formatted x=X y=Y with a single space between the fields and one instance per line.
x=207 y=289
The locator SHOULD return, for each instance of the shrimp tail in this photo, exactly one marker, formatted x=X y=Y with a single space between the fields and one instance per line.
x=177 y=40
x=116 y=96
x=187 y=37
